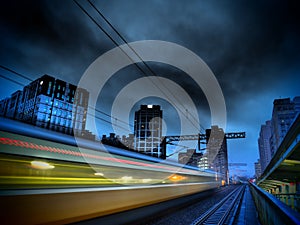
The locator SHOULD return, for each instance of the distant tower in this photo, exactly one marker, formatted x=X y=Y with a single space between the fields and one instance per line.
x=257 y=168
x=148 y=130
x=217 y=151
x=264 y=145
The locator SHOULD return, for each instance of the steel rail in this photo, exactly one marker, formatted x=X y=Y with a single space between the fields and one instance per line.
x=219 y=213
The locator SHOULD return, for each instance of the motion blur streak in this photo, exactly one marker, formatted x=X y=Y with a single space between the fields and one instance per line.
x=45 y=182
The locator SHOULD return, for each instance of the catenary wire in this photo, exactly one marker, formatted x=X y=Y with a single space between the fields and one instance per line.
x=13 y=71
x=11 y=80
x=146 y=65
x=109 y=36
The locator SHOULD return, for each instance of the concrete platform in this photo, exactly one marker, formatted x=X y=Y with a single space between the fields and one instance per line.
x=248 y=214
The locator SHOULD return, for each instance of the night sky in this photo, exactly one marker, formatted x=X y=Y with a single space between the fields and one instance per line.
x=252 y=47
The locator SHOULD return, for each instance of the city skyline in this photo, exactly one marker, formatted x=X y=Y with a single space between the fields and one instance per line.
x=251 y=48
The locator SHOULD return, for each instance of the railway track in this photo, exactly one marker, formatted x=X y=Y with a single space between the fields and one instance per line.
x=224 y=212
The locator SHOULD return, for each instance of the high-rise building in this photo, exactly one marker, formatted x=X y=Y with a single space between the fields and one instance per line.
x=264 y=145
x=217 y=151
x=203 y=163
x=257 y=168
x=50 y=103
x=284 y=113
x=273 y=132
x=3 y=106
x=12 y=105
x=148 y=130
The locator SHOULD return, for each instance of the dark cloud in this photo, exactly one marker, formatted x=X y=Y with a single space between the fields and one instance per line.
x=252 y=47
x=49 y=37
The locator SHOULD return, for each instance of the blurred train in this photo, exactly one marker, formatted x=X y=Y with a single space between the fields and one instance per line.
x=44 y=171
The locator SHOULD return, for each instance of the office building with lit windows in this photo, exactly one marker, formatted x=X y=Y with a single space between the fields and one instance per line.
x=49 y=103
x=148 y=130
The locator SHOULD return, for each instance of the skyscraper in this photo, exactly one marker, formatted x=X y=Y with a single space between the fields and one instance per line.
x=257 y=168
x=217 y=153
x=284 y=113
x=264 y=145
x=148 y=130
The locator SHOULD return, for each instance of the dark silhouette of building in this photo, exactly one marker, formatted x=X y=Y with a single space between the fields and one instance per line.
x=3 y=106
x=191 y=157
x=264 y=145
x=257 y=168
x=114 y=140
x=128 y=141
x=148 y=130
x=50 y=103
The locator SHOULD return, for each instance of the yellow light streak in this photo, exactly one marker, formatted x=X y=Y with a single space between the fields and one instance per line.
x=98 y=174
x=41 y=165
x=176 y=177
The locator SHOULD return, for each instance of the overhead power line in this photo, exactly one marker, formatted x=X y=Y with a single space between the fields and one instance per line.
x=11 y=80
x=106 y=121
x=107 y=34
x=144 y=63
x=106 y=114
x=12 y=71
x=124 y=40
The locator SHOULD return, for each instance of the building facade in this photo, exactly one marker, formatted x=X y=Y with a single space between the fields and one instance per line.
x=217 y=153
x=3 y=106
x=284 y=112
x=264 y=145
x=203 y=163
x=257 y=168
x=50 y=103
x=12 y=105
x=273 y=132
x=148 y=130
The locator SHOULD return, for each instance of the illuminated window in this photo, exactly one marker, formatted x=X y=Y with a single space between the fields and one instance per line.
x=49 y=88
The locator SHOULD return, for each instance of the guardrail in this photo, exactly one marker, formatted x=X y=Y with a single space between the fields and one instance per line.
x=271 y=210
x=292 y=200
